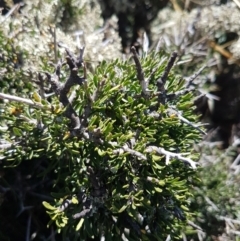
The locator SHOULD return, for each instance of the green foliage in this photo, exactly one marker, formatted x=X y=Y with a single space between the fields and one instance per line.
x=125 y=171
x=107 y=181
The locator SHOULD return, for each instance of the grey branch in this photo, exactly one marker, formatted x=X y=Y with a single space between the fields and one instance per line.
x=5 y=146
x=20 y=99
x=62 y=90
x=125 y=148
x=192 y=224
x=168 y=238
x=82 y=214
x=184 y=120
x=140 y=73
x=162 y=80
x=169 y=155
x=169 y=67
x=12 y=10
x=194 y=76
x=28 y=236
x=65 y=205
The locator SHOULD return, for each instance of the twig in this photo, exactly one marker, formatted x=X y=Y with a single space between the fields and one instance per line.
x=22 y=100
x=162 y=80
x=55 y=43
x=192 y=224
x=145 y=44
x=102 y=237
x=236 y=161
x=234 y=232
x=77 y=34
x=195 y=75
x=159 y=44
x=22 y=208
x=237 y=3
x=15 y=7
x=229 y=220
x=169 y=155
x=140 y=73
x=168 y=238
x=186 y=121
x=65 y=205
x=184 y=237
x=207 y=95
x=82 y=214
x=125 y=148
x=211 y=203
x=28 y=236
x=62 y=90
x=5 y=146
x=80 y=59
x=168 y=67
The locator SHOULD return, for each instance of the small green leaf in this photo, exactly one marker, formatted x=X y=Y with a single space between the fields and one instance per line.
x=79 y=225
x=100 y=152
x=157 y=189
x=48 y=206
x=156 y=158
x=17 y=131
x=74 y=200
x=36 y=97
x=31 y=155
x=114 y=88
x=161 y=183
x=55 y=217
x=122 y=209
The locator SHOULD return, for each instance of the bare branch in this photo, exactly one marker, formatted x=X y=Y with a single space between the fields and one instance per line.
x=5 y=146
x=12 y=10
x=162 y=80
x=168 y=238
x=65 y=205
x=172 y=111
x=125 y=148
x=22 y=100
x=62 y=90
x=55 y=43
x=237 y=3
x=195 y=75
x=28 y=232
x=169 y=67
x=192 y=224
x=230 y=220
x=146 y=43
x=169 y=155
x=82 y=214
x=80 y=58
x=140 y=73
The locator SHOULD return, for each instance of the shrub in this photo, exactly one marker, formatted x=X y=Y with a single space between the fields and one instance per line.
x=108 y=137
x=107 y=151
